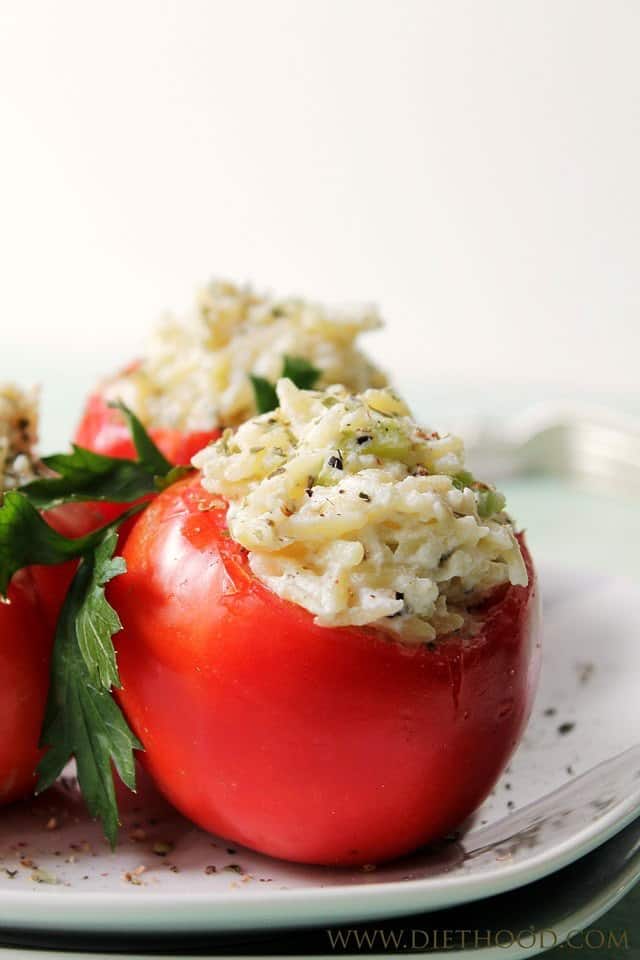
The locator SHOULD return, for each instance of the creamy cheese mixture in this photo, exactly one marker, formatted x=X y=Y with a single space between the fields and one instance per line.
x=196 y=372
x=352 y=511
x=18 y=435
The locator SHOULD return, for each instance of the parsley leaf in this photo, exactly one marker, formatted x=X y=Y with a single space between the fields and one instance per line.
x=26 y=539
x=85 y=475
x=148 y=453
x=304 y=374
x=297 y=369
x=96 y=620
x=264 y=393
x=82 y=719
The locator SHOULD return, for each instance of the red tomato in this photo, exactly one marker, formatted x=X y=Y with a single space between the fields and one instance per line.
x=314 y=744
x=105 y=431
x=27 y=628
x=25 y=648
x=51 y=583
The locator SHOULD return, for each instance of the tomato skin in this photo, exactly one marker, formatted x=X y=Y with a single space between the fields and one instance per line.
x=104 y=430
x=313 y=744
x=51 y=582
x=25 y=649
x=27 y=630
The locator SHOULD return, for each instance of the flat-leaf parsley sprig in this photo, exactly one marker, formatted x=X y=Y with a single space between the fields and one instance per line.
x=27 y=539
x=84 y=475
x=82 y=720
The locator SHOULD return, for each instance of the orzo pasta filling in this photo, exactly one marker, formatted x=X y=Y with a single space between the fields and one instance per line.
x=18 y=435
x=196 y=374
x=350 y=509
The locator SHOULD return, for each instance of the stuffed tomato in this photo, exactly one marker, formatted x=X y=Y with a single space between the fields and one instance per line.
x=206 y=371
x=104 y=430
x=330 y=637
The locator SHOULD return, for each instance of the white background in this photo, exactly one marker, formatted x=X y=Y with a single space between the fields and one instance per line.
x=471 y=166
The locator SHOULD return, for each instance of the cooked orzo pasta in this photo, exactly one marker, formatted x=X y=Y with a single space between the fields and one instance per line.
x=18 y=435
x=196 y=373
x=351 y=510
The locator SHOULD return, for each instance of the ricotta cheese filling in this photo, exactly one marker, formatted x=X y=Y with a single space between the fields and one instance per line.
x=18 y=436
x=196 y=374
x=351 y=510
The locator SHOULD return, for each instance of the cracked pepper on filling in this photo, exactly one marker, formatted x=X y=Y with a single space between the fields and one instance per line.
x=196 y=374
x=351 y=510
x=18 y=436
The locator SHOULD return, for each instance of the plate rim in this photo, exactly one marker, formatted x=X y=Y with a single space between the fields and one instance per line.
x=392 y=896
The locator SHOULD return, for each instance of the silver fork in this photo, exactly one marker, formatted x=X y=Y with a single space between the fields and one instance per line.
x=591 y=444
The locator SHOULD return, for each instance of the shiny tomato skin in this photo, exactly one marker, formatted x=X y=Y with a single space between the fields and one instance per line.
x=312 y=744
x=25 y=648
x=27 y=629
x=104 y=430
x=51 y=582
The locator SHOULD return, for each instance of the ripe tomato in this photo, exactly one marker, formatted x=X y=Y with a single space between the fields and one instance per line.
x=51 y=583
x=25 y=647
x=27 y=628
x=104 y=430
x=314 y=744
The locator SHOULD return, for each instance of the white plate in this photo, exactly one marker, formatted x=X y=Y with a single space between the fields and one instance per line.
x=589 y=690
x=511 y=926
